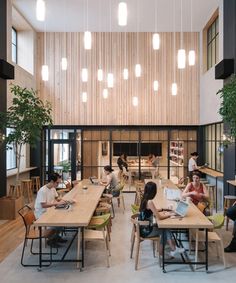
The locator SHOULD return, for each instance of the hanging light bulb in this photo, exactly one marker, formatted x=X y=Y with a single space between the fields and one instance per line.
x=110 y=80
x=155 y=85
x=40 y=10
x=174 y=89
x=138 y=70
x=100 y=75
x=125 y=74
x=45 y=73
x=87 y=40
x=191 y=58
x=122 y=14
x=156 y=41
x=105 y=93
x=64 y=63
x=181 y=59
x=84 y=75
x=135 y=100
x=84 y=97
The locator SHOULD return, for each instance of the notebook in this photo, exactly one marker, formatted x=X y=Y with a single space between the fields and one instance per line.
x=182 y=208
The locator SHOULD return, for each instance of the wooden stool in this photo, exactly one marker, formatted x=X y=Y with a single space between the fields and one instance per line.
x=212 y=195
x=228 y=201
x=35 y=183
x=15 y=191
x=26 y=187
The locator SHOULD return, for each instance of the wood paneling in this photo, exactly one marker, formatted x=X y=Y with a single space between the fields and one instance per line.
x=64 y=88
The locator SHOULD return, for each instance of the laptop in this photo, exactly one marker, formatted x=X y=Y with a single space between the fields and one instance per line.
x=172 y=194
x=182 y=208
x=94 y=180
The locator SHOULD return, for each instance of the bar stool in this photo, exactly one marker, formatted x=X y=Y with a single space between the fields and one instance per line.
x=228 y=201
x=35 y=183
x=15 y=191
x=26 y=187
x=212 y=195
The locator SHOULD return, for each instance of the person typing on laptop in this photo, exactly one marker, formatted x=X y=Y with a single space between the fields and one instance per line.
x=147 y=211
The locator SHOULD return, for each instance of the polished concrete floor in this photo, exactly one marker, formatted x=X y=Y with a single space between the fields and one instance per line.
x=122 y=267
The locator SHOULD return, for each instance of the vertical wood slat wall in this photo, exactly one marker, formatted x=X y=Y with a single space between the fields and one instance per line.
x=109 y=51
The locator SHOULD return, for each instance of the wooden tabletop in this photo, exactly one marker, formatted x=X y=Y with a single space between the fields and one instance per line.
x=211 y=172
x=231 y=182
x=81 y=212
x=194 y=217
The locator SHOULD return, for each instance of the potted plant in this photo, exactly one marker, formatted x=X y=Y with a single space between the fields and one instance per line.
x=26 y=116
x=66 y=167
x=227 y=108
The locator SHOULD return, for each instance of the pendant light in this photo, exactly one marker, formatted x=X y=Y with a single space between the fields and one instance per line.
x=100 y=75
x=105 y=93
x=84 y=75
x=135 y=101
x=45 y=73
x=110 y=80
x=155 y=36
x=122 y=14
x=125 y=74
x=64 y=63
x=174 y=88
x=84 y=97
x=40 y=10
x=181 y=52
x=191 y=54
x=155 y=85
x=87 y=34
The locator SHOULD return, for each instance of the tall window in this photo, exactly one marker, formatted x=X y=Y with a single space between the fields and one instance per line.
x=14 y=45
x=11 y=154
x=213 y=44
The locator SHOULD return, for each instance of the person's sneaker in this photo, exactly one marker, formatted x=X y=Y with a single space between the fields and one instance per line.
x=53 y=244
x=177 y=251
x=59 y=239
x=231 y=248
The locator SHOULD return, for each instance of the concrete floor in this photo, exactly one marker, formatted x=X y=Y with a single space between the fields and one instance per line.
x=122 y=267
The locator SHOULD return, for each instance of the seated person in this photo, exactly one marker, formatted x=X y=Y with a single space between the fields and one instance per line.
x=147 y=211
x=122 y=164
x=197 y=191
x=231 y=213
x=47 y=196
x=111 y=184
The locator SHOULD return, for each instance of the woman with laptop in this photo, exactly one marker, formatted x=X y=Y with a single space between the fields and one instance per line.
x=147 y=211
x=197 y=192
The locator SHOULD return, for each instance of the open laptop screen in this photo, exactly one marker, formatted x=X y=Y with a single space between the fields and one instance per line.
x=182 y=208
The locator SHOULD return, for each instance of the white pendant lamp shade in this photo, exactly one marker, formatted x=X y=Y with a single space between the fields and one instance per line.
x=138 y=70
x=156 y=41
x=105 y=93
x=122 y=14
x=84 y=97
x=64 y=63
x=155 y=85
x=84 y=75
x=125 y=74
x=135 y=101
x=174 y=89
x=45 y=73
x=87 y=40
x=181 y=59
x=40 y=10
x=100 y=75
x=191 y=58
x=110 y=80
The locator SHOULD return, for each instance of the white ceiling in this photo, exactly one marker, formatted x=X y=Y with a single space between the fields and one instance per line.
x=70 y=15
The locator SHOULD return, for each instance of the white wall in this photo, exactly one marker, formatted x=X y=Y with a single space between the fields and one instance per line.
x=209 y=101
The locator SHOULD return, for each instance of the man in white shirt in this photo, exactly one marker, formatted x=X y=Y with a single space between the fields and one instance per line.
x=47 y=197
x=192 y=164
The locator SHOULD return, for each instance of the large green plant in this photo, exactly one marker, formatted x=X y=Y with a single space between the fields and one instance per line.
x=228 y=104
x=26 y=116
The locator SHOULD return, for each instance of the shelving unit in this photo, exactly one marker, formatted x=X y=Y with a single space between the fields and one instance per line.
x=177 y=158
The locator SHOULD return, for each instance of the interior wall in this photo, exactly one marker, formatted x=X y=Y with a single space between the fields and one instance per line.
x=64 y=88
x=209 y=101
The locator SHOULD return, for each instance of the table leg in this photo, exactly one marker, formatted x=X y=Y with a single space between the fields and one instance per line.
x=206 y=250
x=78 y=247
x=196 y=248
x=163 y=252
x=216 y=194
x=82 y=230
x=40 y=248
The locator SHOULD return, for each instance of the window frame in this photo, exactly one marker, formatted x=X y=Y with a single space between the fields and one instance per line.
x=14 y=44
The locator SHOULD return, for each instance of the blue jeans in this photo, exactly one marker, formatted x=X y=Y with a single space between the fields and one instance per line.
x=231 y=213
x=158 y=232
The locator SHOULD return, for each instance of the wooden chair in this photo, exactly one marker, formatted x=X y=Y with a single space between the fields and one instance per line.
x=228 y=202
x=32 y=233
x=35 y=183
x=213 y=236
x=98 y=231
x=135 y=237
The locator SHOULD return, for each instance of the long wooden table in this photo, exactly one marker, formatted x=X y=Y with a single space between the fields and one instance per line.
x=194 y=219
x=214 y=174
x=78 y=216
